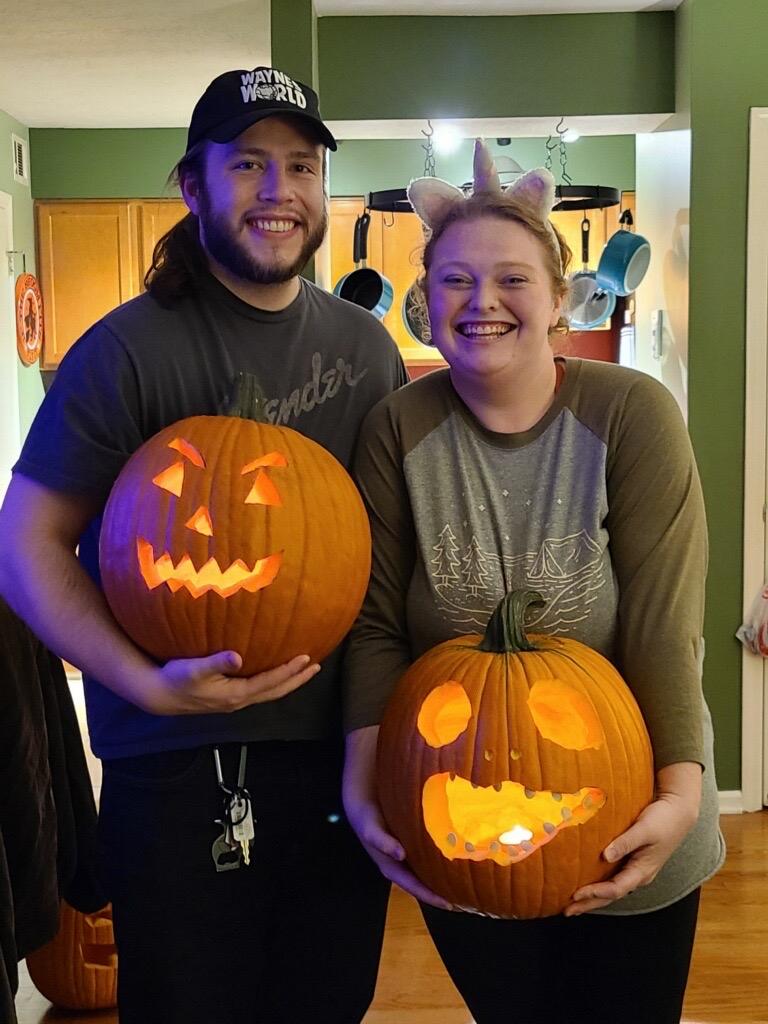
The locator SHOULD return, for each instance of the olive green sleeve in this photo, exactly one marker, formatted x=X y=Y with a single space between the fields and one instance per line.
x=378 y=649
x=658 y=541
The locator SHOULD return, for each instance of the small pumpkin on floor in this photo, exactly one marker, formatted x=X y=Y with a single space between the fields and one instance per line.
x=506 y=764
x=77 y=969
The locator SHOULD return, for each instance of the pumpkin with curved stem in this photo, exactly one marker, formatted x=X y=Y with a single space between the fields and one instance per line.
x=77 y=969
x=224 y=533
x=506 y=764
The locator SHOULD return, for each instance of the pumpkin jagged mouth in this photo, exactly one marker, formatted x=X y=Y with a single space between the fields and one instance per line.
x=505 y=823
x=210 y=577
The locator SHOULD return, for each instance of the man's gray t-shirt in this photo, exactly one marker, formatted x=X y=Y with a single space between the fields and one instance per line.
x=322 y=363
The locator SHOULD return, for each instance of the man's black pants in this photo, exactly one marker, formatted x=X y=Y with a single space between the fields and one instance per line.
x=293 y=937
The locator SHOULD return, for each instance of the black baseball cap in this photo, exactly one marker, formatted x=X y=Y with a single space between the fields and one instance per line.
x=237 y=99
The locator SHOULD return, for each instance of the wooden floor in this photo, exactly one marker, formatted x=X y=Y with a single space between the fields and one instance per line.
x=729 y=978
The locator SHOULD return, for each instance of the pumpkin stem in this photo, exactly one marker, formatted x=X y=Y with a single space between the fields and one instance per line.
x=246 y=399
x=505 y=632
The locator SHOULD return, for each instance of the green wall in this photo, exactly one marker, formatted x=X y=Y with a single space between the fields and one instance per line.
x=293 y=31
x=418 y=67
x=104 y=163
x=728 y=74
x=362 y=166
x=30 y=384
x=119 y=163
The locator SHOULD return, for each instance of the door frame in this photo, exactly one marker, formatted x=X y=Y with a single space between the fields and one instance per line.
x=754 y=712
x=9 y=384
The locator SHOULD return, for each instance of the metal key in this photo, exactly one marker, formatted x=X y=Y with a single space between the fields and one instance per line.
x=241 y=816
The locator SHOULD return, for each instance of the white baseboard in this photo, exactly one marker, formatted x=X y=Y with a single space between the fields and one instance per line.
x=731 y=801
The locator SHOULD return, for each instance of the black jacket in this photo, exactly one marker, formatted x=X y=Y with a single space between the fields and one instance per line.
x=47 y=808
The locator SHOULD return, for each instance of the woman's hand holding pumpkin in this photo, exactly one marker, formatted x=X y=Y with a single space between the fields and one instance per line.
x=365 y=817
x=651 y=840
x=202 y=686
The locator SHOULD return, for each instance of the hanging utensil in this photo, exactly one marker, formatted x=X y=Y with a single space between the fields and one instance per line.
x=588 y=304
x=355 y=255
x=624 y=260
x=365 y=286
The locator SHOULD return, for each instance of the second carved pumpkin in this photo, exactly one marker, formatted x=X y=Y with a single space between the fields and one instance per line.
x=506 y=765
x=77 y=969
x=224 y=533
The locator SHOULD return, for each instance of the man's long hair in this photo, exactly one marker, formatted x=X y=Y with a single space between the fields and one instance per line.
x=178 y=260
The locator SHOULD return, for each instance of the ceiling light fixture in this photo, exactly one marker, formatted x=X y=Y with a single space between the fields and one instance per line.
x=446 y=139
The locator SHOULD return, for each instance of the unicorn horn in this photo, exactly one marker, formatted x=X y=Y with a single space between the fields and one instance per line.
x=485 y=175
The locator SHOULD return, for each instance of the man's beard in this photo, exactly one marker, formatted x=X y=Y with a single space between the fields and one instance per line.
x=222 y=244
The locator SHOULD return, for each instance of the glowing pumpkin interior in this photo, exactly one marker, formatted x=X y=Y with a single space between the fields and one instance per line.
x=507 y=822
x=157 y=570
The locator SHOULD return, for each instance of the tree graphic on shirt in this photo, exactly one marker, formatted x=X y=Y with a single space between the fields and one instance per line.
x=446 y=560
x=475 y=571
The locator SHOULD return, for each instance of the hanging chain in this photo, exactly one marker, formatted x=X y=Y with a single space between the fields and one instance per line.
x=551 y=145
x=429 y=153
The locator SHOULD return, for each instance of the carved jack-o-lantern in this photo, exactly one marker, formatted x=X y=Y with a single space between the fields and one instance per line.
x=77 y=969
x=506 y=765
x=222 y=533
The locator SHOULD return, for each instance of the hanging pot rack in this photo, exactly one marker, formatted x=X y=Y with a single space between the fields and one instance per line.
x=568 y=195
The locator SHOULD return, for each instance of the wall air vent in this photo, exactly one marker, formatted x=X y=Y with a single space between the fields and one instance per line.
x=20 y=160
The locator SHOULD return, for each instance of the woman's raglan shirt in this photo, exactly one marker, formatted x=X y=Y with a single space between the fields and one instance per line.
x=598 y=507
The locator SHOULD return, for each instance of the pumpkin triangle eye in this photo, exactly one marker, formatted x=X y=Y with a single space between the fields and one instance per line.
x=171 y=479
x=263 y=491
x=200 y=522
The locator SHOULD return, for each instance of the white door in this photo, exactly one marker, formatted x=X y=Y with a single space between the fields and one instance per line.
x=754 y=762
x=10 y=431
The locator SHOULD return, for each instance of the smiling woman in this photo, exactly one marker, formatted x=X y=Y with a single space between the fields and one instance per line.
x=521 y=786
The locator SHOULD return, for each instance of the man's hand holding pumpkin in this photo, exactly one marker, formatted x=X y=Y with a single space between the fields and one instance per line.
x=203 y=686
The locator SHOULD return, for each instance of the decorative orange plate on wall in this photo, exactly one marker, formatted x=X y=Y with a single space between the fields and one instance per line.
x=29 y=318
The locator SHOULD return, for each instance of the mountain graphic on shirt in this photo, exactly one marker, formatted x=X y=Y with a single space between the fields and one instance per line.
x=468 y=580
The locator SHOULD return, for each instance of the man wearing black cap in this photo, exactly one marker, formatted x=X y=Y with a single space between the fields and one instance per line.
x=203 y=936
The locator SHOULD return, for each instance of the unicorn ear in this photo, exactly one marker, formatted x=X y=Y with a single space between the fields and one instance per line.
x=484 y=174
x=536 y=189
x=432 y=198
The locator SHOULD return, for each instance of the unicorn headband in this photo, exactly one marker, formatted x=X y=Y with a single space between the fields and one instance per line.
x=433 y=198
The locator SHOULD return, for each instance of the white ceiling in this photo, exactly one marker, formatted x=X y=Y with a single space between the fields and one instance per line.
x=144 y=63
x=122 y=63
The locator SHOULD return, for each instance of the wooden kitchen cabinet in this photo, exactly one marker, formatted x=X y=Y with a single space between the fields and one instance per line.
x=92 y=256
x=151 y=220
